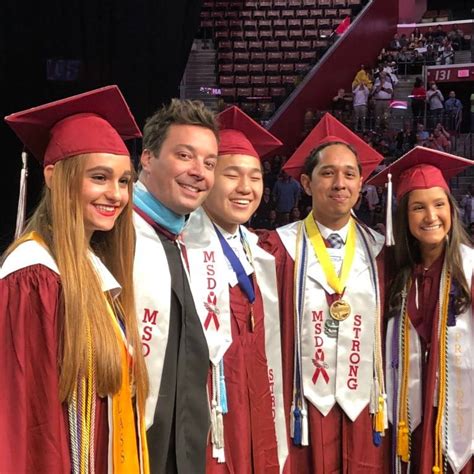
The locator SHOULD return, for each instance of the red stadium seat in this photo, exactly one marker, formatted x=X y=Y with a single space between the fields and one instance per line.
x=221 y=35
x=343 y=12
x=300 y=45
x=287 y=13
x=265 y=35
x=310 y=34
x=235 y=24
x=242 y=80
x=274 y=80
x=271 y=45
x=258 y=15
x=277 y=91
x=226 y=80
x=237 y=35
x=274 y=56
x=265 y=4
x=309 y=23
x=240 y=45
x=228 y=93
x=251 y=35
x=316 y=13
x=331 y=13
x=207 y=24
x=250 y=25
x=244 y=92
x=280 y=4
x=225 y=57
x=280 y=23
x=302 y=13
x=294 y=23
x=258 y=56
x=320 y=44
x=241 y=57
x=302 y=68
x=265 y=24
x=287 y=68
x=288 y=45
x=280 y=34
x=294 y=3
x=291 y=56
x=309 y=56
x=272 y=68
x=245 y=14
x=273 y=14
x=241 y=69
x=255 y=45
x=324 y=3
x=217 y=14
x=260 y=91
x=295 y=34
x=324 y=22
x=339 y=3
x=256 y=68
x=258 y=80
x=289 y=79
x=224 y=46
x=225 y=68
x=310 y=3
x=325 y=32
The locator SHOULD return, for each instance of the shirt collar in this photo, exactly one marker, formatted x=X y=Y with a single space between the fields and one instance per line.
x=326 y=231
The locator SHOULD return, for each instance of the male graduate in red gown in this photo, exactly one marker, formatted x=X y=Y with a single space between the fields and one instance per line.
x=329 y=278
x=234 y=286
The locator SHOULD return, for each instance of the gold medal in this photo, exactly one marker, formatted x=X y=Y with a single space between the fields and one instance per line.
x=340 y=310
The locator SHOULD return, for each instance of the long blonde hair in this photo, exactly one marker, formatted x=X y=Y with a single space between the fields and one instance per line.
x=59 y=220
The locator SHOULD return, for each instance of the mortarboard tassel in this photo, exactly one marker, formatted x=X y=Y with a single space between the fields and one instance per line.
x=389 y=239
x=304 y=428
x=20 y=214
x=222 y=388
x=297 y=426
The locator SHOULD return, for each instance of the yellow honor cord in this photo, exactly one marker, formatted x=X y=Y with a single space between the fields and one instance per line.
x=403 y=435
x=336 y=283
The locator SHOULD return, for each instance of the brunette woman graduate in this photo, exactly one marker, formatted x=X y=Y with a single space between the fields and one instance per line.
x=73 y=377
x=430 y=335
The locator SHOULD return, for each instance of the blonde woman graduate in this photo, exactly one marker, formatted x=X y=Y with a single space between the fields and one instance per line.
x=429 y=344
x=72 y=372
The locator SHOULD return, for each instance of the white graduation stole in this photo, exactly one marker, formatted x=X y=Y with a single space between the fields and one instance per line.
x=337 y=365
x=152 y=284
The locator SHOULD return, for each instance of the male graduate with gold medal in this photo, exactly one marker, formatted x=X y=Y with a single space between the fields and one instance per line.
x=329 y=272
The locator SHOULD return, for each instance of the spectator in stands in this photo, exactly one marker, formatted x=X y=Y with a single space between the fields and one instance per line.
x=467 y=205
x=446 y=53
x=362 y=77
x=403 y=40
x=405 y=140
x=453 y=111
x=435 y=101
x=438 y=141
x=366 y=205
x=272 y=220
x=269 y=176
x=403 y=59
x=422 y=135
x=286 y=194
x=360 y=100
x=382 y=94
x=430 y=56
x=339 y=104
x=439 y=34
x=295 y=214
x=442 y=131
x=262 y=214
x=418 y=100
x=417 y=61
x=309 y=121
x=471 y=99
x=456 y=37
x=395 y=43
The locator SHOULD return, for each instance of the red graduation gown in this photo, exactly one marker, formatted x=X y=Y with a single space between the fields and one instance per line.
x=426 y=324
x=336 y=444
x=34 y=435
x=249 y=430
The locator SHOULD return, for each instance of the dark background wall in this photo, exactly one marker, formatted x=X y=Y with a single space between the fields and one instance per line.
x=140 y=45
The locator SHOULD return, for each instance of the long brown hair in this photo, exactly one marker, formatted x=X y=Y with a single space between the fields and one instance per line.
x=407 y=254
x=59 y=220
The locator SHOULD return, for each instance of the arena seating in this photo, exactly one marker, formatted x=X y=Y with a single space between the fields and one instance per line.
x=265 y=47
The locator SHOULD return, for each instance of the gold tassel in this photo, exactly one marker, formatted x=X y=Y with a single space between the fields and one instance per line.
x=402 y=442
x=380 y=416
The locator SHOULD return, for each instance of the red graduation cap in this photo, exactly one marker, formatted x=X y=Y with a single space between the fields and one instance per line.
x=96 y=121
x=240 y=134
x=421 y=168
x=328 y=130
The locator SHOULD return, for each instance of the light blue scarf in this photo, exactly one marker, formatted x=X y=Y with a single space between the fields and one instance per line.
x=146 y=202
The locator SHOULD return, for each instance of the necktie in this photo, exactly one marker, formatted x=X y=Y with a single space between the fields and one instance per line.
x=335 y=241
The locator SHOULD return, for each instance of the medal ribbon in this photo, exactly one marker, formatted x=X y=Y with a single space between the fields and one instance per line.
x=318 y=361
x=336 y=283
x=211 y=311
